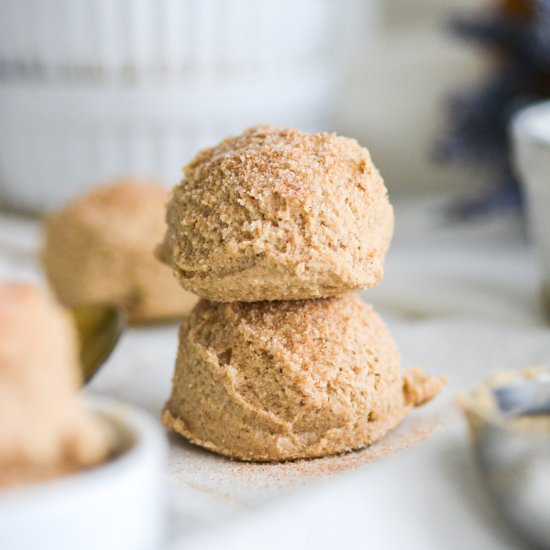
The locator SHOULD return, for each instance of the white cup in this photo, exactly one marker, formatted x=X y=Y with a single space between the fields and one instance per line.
x=115 y=506
x=531 y=139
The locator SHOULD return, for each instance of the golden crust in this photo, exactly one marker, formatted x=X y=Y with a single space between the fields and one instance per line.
x=100 y=248
x=275 y=381
x=278 y=215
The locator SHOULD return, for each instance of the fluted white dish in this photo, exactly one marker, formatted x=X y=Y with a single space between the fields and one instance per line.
x=92 y=90
x=57 y=142
x=114 y=506
x=206 y=40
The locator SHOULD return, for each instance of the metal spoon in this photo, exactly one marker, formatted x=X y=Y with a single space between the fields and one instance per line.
x=525 y=396
x=99 y=327
x=514 y=461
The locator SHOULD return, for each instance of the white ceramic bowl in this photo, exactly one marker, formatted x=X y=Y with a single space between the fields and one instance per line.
x=198 y=40
x=92 y=90
x=531 y=137
x=115 y=506
x=56 y=142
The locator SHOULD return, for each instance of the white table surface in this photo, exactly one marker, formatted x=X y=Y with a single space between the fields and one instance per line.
x=460 y=300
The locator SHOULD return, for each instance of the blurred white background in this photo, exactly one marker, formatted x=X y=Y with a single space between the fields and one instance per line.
x=90 y=91
x=394 y=98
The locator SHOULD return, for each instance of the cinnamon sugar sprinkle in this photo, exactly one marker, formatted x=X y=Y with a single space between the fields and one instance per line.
x=243 y=484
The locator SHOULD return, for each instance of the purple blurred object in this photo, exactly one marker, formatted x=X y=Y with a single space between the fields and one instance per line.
x=478 y=120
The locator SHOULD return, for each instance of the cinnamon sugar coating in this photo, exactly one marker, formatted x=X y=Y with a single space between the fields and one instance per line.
x=99 y=248
x=278 y=215
x=271 y=381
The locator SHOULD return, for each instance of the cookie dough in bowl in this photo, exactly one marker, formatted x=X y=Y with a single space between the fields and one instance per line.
x=278 y=215
x=273 y=381
x=99 y=248
x=45 y=430
x=75 y=473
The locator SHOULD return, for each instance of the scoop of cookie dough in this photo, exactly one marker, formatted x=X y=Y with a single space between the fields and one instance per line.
x=273 y=381
x=45 y=431
x=100 y=248
x=278 y=215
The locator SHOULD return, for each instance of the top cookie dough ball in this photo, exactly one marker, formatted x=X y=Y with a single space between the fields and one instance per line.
x=100 y=248
x=278 y=215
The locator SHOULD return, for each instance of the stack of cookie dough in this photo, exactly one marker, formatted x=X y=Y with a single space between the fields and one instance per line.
x=274 y=229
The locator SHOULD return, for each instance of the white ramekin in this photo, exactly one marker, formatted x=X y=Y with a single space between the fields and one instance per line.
x=115 y=506
x=531 y=139
x=96 y=89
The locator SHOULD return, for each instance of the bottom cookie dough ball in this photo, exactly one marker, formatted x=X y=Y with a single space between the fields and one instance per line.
x=270 y=381
x=99 y=248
